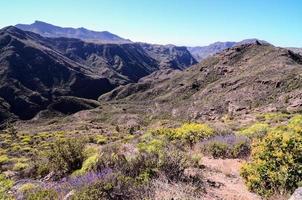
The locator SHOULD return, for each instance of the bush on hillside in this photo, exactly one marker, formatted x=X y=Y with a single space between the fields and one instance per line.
x=256 y=130
x=66 y=155
x=227 y=146
x=5 y=185
x=188 y=132
x=276 y=163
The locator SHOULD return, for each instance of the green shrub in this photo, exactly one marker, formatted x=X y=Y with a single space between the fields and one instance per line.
x=153 y=146
x=295 y=123
x=88 y=165
x=5 y=185
x=116 y=186
x=240 y=149
x=188 y=132
x=40 y=193
x=217 y=149
x=256 y=130
x=276 y=164
x=19 y=166
x=276 y=117
x=66 y=155
x=27 y=187
x=226 y=146
x=4 y=159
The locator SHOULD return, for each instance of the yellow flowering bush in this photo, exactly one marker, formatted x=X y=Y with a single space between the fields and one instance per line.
x=188 y=132
x=276 y=162
x=255 y=130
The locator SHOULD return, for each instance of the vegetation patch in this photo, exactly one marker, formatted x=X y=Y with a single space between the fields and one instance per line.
x=226 y=146
x=276 y=161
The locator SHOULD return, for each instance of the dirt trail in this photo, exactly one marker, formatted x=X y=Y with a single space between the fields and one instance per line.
x=224 y=181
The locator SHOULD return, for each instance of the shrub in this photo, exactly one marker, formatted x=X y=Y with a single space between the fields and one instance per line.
x=152 y=146
x=19 y=166
x=295 y=123
x=88 y=165
x=173 y=164
x=276 y=117
x=27 y=187
x=227 y=146
x=276 y=164
x=5 y=185
x=188 y=132
x=66 y=155
x=3 y=160
x=217 y=149
x=115 y=186
x=40 y=193
x=101 y=139
x=256 y=130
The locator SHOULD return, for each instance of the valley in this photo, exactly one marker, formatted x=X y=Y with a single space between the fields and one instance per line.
x=91 y=115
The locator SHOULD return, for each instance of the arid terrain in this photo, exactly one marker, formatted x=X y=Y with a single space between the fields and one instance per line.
x=91 y=115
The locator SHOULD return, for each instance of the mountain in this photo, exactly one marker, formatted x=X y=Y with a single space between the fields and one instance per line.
x=123 y=63
x=33 y=75
x=200 y=53
x=49 y=30
x=38 y=72
x=169 y=56
x=296 y=50
x=236 y=81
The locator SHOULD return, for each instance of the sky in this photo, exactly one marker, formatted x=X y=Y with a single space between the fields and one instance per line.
x=179 y=22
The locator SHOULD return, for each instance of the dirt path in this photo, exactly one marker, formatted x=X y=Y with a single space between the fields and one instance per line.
x=224 y=181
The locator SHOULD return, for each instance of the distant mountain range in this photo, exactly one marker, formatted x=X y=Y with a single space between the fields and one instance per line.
x=49 y=30
x=64 y=70
x=202 y=52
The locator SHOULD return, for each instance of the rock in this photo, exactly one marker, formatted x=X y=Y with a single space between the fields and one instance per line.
x=9 y=174
x=49 y=176
x=69 y=195
x=297 y=195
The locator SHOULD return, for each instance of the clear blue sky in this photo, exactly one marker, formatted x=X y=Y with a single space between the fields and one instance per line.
x=181 y=22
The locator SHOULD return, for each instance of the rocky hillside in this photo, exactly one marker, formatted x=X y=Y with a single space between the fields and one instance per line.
x=33 y=75
x=36 y=70
x=238 y=80
x=49 y=30
x=296 y=50
x=169 y=56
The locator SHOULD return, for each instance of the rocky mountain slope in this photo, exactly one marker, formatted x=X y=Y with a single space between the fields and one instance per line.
x=33 y=75
x=238 y=80
x=49 y=30
x=202 y=52
x=296 y=50
x=35 y=70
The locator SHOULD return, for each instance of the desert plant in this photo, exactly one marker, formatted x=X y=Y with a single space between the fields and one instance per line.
x=256 y=130
x=37 y=193
x=226 y=146
x=188 y=133
x=66 y=155
x=115 y=186
x=5 y=185
x=276 y=164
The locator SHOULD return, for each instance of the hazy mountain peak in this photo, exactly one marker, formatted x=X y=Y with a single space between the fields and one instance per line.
x=49 y=30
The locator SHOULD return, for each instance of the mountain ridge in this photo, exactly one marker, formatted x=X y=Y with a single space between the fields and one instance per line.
x=49 y=30
x=36 y=71
x=236 y=81
x=202 y=52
